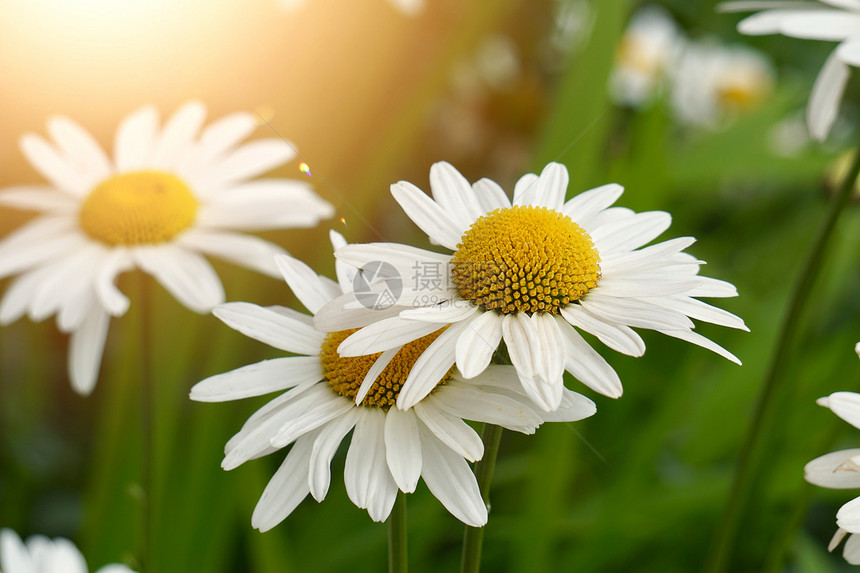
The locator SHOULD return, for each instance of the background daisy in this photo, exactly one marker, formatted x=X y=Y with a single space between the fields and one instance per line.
x=43 y=555
x=327 y=396
x=532 y=273
x=167 y=196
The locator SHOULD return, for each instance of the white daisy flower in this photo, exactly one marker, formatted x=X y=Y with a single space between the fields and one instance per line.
x=831 y=20
x=328 y=395
x=712 y=82
x=645 y=56
x=167 y=196
x=531 y=273
x=43 y=555
x=841 y=470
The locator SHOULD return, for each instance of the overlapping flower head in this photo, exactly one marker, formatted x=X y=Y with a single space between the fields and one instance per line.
x=167 y=195
x=831 y=20
x=530 y=272
x=326 y=395
x=841 y=470
x=43 y=555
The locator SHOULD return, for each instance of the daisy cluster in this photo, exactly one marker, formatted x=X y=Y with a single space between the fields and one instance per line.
x=42 y=555
x=706 y=82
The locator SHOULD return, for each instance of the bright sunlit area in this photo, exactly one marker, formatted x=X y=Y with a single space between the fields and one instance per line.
x=429 y=285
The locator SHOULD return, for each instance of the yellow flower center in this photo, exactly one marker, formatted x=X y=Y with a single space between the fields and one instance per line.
x=136 y=208
x=525 y=259
x=345 y=374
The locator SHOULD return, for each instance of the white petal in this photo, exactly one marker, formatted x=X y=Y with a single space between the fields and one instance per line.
x=44 y=199
x=305 y=283
x=769 y=21
x=344 y=312
x=825 y=471
x=851 y=5
x=849 y=52
x=217 y=139
x=449 y=478
x=135 y=140
x=632 y=232
x=551 y=187
x=178 y=135
x=254 y=439
x=384 y=335
x=454 y=194
x=270 y=327
x=85 y=350
x=634 y=312
x=287 y=488
x=345 y=273
x=185 y=274
x=81 y=150
x=846 y=405
x=325 y=446
x=378 y=367
x=471 y=400
x=258 y=379
x=53 y=166
x=476 y=345
x=490 y=195
x=327 y=407
x=703 y=311
x=264 y=204
x=700 y=340
x=573 y=408
x=427 y=214
x=111 y=298
x=15 y=257
x=525 y=189
x=62 y=556
x=587 y=366
x=252 y=159
x=409 y=262
x=403 y=448
x=245 y=250
x=430 y=367
x=848 y=516
x=616 y=336
x=368 y=481
x=451 y=431
x=449 y=311
x=14 y=556
x=537 y=352
x=851 y=551
x=825 y=97
x=588 y=203
x=821 y=25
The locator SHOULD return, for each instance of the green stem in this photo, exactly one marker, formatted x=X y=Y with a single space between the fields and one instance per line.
x=148 y=400
x=722 y=546
x=473 y=538
x=398 y=559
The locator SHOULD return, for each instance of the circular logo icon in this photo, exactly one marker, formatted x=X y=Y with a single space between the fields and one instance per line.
x=377 y=285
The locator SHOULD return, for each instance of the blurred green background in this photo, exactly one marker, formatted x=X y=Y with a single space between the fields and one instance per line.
x=370 y=96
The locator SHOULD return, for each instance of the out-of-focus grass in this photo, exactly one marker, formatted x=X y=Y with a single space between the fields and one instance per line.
x=638 y=487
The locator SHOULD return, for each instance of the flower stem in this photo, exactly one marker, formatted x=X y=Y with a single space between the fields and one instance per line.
x=473 y=538
x=398 y=560
x=722 y=546
x=147 y=405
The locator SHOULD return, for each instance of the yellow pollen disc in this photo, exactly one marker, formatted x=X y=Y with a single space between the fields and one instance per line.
x=345 y=374
x=136 y=208
x=525 y=259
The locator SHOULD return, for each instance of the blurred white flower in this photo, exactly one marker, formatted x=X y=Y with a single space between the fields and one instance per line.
x=832 y=20
x=43 y=555
x=326 y=396
x=712 y=82
x=841 y=470
x=531 y=272
x=166 y=196
x=645 y=56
